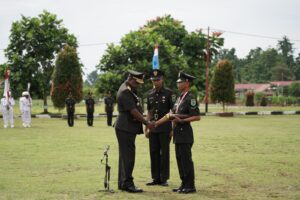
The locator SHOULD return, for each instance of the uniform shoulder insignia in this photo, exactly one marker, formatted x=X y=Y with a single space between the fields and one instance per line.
x=173 y=97
x=129 y=88
x=193 y=102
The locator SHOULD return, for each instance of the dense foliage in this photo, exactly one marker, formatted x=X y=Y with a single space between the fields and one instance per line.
x=34 y=43
x=178 y=50
x=222 y=84
x=67 y=77
x=262 y=66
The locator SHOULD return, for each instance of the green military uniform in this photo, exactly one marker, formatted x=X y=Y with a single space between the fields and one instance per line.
x=70 y=104
x=90 y=107
x=109 y=108
x=127 y=128
x=159 y=103
x=183 y=138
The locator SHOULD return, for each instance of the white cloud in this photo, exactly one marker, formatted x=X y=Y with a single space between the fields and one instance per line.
x=101 y=21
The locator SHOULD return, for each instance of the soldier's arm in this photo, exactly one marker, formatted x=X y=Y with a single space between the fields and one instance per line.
x=139 y=117
x=178 y=118
x=188 y=119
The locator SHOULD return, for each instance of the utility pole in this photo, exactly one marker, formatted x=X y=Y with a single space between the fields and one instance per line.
x=207 y=70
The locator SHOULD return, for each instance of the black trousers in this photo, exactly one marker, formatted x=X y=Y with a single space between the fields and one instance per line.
x=90 y=118
x=126 y=142
x=159 y=144
x=109 y=118
x=70 y=119
x=185 y=164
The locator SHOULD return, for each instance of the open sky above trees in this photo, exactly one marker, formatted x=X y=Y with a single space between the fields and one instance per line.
x=96 y=23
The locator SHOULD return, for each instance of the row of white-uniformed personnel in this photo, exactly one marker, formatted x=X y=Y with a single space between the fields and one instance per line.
x=7 y=109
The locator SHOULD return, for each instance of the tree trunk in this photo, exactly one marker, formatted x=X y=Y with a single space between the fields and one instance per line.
x=45 y=104
x=223 y=107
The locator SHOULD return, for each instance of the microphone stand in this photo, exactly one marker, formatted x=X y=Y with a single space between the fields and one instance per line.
x=107 y=171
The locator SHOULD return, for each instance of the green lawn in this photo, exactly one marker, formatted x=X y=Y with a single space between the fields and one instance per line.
x=37 y=108
x=245 y=157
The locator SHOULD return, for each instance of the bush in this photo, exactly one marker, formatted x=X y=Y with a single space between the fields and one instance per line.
x=278 y=100
x=298 y=100
x=290 y=101
x=274 y=100
x=264 y=101
x=281 y=100
x=294 y=89
x=250 y=98
x=258 y=97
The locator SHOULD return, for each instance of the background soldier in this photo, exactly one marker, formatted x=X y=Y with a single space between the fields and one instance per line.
x=127 y=126
x=160 y=101
x=90 y=105
x=70 y=105
x=25 y=108
x=109 y=108
x=185 y=111
x=7 y=104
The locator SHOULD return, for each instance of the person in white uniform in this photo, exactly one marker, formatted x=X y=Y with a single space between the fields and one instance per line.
x=25 y=108
x=8 y=110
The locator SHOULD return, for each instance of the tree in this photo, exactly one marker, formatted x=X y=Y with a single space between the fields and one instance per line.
x=297 y=68
x=178 y=50
x=258 y=65
x=281 y=72
x=222 y=84
x=285 y=48
x=91 y=78
x=230 y=55
x=34 y=43
x=250 y=98
x=135 y=52
x=294 y=89
x=168 y=27
x=109 y=82
x=194 y=52
x=67 y=77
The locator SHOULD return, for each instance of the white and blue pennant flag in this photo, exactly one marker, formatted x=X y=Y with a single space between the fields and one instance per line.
x=155 y=63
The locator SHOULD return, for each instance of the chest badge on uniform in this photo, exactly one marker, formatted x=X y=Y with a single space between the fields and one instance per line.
x=193 y=102
x=173 y=98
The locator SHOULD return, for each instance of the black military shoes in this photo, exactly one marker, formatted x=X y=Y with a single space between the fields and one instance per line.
x=165 y=183
x=177 y=189
x=154 y=182
x=133 y=189
x=183 y=190
x=187 y=190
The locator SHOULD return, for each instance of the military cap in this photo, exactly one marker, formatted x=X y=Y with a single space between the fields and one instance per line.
x=156 y=74
x=182 y=76
x=137 y=76
x=25 y=93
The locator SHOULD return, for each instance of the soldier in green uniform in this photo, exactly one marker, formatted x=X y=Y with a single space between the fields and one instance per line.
x=128 y=125
x=70 y=105
x=90 y=107
x=160 y=101
x=109 y=108
x=184 y=112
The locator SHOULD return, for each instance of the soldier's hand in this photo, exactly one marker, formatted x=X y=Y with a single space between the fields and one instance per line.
x=171 y=134
x=151 y=125
x=147 y=132
x=177 y=120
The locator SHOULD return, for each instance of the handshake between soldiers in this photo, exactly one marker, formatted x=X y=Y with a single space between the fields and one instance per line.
x=176 y=118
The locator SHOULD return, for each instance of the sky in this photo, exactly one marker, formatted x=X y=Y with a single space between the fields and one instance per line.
x=244 y=23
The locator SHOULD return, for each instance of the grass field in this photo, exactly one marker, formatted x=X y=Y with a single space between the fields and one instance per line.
x=37 y=108
x=245 y=157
